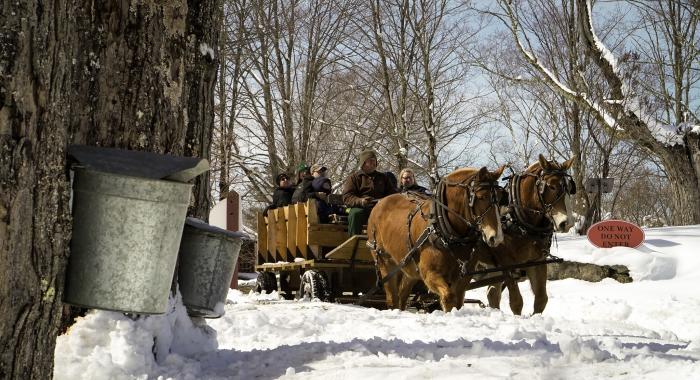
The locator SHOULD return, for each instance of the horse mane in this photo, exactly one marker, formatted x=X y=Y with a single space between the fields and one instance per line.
x=462 y=173
x=534 y=167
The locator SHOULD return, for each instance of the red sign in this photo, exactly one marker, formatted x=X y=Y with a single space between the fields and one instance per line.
x=615 y=233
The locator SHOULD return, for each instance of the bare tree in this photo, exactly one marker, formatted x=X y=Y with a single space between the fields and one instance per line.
x=416 y=48
x=279 y=89
x=620 y=106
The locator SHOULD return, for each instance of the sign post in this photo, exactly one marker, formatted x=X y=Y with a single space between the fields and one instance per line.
x=596 y=187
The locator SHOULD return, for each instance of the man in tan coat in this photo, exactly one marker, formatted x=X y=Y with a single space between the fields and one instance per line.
x=363 y=189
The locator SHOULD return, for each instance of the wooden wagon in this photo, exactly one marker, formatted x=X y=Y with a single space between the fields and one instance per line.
x=299 y=256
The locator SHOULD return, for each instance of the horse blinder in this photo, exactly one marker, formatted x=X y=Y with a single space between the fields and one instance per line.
x=496 y=192
x=569 y=185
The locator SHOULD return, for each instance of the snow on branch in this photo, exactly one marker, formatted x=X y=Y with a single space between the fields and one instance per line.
x=530 y=57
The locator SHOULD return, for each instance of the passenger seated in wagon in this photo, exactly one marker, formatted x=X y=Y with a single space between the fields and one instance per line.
x=303 y=172
x=306 y=190
x=362 y=190
x=316 y=186
x=283 y=193
x=408 y=183
x=304 y=178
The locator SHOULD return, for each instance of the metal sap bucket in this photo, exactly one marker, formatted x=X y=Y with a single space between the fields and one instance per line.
x=126 y=233
x=208 y=258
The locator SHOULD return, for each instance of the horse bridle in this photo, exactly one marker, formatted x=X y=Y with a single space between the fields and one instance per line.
x=567 y=187
x=440 y=209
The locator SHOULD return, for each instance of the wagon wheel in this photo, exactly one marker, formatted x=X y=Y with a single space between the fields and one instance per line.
x=266 y=282
x=314 y=285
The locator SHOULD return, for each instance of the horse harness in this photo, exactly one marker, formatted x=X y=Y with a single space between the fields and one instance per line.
x=516 y=208
x=515 y=220
x=439 y=230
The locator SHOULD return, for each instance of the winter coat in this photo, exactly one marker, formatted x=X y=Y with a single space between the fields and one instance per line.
x=416 y=188
x=282 y=197
x=322 y=185
x=304 y=189
x=360 y=184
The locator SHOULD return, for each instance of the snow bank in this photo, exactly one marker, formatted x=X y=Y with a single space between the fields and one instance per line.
x=647 y=329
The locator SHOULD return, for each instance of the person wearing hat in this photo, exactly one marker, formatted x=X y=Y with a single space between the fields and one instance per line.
x=362 y=190
x=318 y=170
x=283 y=193
x=303 y=170
x=305 y=190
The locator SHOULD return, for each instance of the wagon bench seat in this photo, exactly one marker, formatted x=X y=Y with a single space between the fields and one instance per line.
x=294 y=231
x=356 y=244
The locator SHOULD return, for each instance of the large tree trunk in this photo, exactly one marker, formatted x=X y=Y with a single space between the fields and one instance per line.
x=113 y=74
x=203 y=31
x=35 y=85
x=682 y=164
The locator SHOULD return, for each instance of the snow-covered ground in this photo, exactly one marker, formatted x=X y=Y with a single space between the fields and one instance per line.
x=647 y=329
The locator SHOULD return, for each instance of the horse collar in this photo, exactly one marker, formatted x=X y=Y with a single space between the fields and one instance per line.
x=516 y=205
x=439 y=214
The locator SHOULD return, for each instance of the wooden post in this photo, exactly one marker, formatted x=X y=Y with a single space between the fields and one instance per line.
x=226 y=215
x=233 y=223
x=281 y=238
x=302 y=225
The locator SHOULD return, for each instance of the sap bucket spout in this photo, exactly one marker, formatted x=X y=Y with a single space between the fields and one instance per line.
x=127 y=226
x=208 y=258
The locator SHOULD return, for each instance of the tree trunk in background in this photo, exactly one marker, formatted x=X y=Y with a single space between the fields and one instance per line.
x=115 y=74
x=203 y=31
x=682 y=164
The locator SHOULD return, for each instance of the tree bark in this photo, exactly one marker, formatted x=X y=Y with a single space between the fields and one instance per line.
x=117 y=74
x=35 y=85
x=203 y=33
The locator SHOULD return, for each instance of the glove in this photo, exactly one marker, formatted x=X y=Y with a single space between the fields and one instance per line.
x=322 y=196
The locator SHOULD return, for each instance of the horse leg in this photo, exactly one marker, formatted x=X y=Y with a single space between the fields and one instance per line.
x=405 y=288
x=437 y=284
x=538 y=282
x=391 y=289
x=391 y=286
x=493 y=294
x=515 y=298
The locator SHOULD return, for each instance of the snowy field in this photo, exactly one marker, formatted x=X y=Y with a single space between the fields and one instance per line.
x=648 y=329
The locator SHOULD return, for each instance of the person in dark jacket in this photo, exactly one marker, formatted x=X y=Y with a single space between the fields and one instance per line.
x=283 y=193
x=303 y=171
x=363 y=189
x=392 y=179
x=408 y=183
x=321 y=186
x=306 y=189
x=301 y=194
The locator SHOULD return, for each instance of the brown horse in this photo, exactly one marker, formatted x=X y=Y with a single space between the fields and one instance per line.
x=411 y=237
x=538 y=206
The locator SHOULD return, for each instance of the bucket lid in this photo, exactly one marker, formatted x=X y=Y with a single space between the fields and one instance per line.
x=138 y=164
x=201 y=225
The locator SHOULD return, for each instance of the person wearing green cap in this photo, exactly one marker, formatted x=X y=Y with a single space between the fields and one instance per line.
x=362 y=190
x=303 y=171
